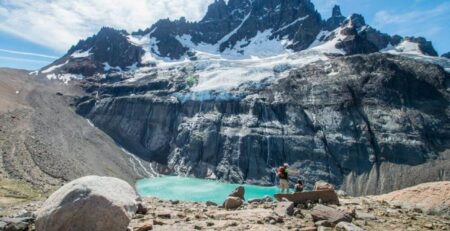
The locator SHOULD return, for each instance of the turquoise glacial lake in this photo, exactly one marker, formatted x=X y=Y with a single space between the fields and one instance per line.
x=197 y=190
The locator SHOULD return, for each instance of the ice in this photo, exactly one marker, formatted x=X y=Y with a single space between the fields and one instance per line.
x=81 y=54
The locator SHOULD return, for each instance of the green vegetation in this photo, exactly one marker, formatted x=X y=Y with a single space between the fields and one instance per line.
x=192 y=80
x=14 y=192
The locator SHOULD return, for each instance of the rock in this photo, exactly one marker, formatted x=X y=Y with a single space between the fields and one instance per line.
x=164 y=214
x=233 y=203
x=141 y=209
x=238 y=192
x=2 y=225
x=145 y=227
x=158 y=222
x=323 y=228
x=20 y=226
x=365 y=216
x=24 y=214
x=324 y=223
x=428 y=225
x=15 y=224
x=311 y=228
x=341 y=193
x=89 y=203
x=334 y=216
x=285 y=208
x=210 y=203
x=433 y=197
x=174 y=202
x=260 y=200
x=347 y=226
x=322 y=186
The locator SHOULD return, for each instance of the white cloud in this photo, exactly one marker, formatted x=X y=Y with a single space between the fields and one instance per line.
x=385 y=17
x=58 y=24
x=27 y=53
x=24 y=60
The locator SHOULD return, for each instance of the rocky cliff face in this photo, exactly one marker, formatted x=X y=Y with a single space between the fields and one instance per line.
x=344 y=120
x=370 y=123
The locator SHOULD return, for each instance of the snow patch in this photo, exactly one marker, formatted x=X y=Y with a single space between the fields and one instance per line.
x=65 y=78
x=329 y=47
x=54 y=67
x=81 y=54
x=405 y=47
x=292 y=23
x=107 y=67
x=228 y=36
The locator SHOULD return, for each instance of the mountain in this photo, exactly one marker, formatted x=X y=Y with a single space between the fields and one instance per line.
x=446 y=55
x=258 y=83
x=234 y=30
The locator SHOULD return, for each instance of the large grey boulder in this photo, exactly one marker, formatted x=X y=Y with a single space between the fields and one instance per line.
x=91 y=203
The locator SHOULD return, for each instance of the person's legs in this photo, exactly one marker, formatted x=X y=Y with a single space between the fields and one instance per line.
x=284 y=185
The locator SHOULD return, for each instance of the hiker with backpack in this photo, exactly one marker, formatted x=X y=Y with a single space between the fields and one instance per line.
x=282 y=173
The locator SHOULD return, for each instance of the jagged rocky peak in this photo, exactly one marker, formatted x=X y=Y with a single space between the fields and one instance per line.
x=446 y=55
x=237 y=29
x=108 y=48
x=235 y=26
x=335 y=20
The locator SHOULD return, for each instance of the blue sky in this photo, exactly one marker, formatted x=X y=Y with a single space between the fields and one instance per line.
x=34 y=32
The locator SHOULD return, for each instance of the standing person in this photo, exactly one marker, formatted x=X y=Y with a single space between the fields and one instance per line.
x=283 y=176
x=299 y=186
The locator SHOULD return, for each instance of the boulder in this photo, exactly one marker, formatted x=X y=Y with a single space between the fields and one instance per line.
x=285 y=208
x=91 y=203
x=238 y=192
x=323 y=186
x=347 y=226
x=233 y=203
x=334 y=216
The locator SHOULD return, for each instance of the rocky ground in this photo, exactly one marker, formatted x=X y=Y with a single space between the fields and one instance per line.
x=353 y=213
x=44 y=143
x=366 y=213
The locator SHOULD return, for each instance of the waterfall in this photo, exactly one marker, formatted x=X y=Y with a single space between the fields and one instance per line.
x=268 y=149
x=134 y=160
x=266 y=118
x=313 y=101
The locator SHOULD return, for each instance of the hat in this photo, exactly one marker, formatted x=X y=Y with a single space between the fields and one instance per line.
x=286 y=165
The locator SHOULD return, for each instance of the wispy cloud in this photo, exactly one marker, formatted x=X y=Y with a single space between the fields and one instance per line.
x=58 y=24
x=27 y=54
x=24 y=60
x=386 y=17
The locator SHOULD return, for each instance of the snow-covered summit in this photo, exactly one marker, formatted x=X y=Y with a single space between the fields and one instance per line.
x=232 y=35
